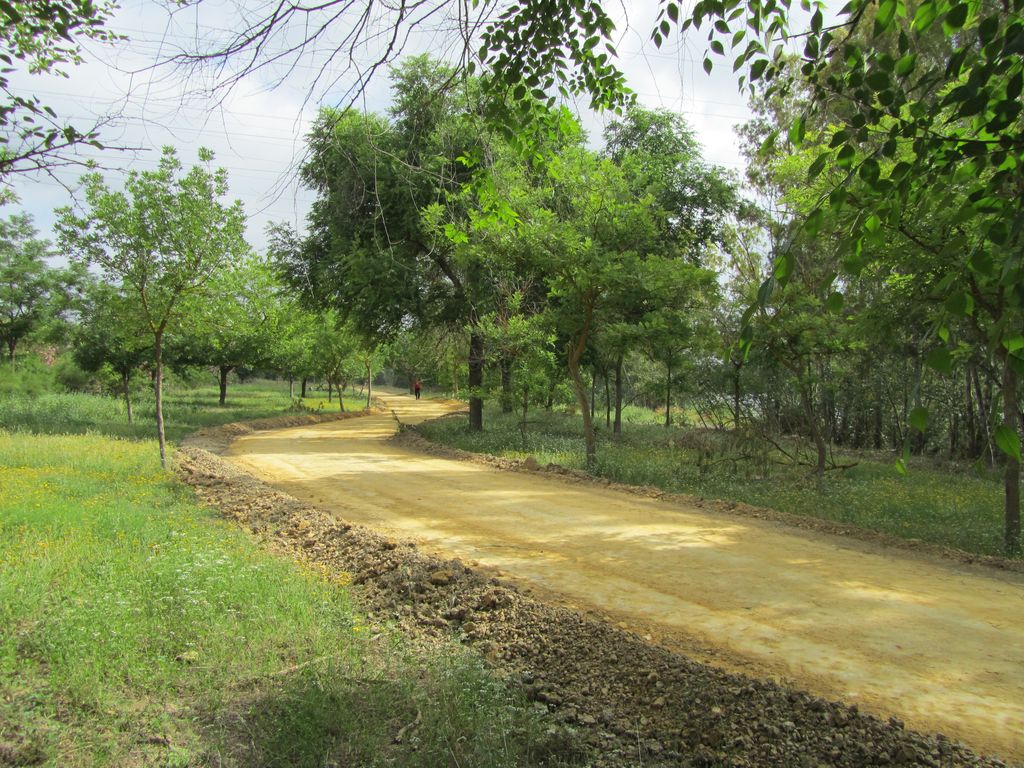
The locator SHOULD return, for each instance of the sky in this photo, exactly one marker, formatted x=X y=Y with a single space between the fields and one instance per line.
x=257 y=128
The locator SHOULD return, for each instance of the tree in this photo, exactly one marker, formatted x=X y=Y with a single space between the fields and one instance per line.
x=336 y=345
x=524 y=344
x=234 y=323
x=592 y=240
x=43 y=36
x=925 y=99
x=28 y=284
x=368 y=356
x=163 y=239
x=110 y=333
x=373 y=253
x=660 y=157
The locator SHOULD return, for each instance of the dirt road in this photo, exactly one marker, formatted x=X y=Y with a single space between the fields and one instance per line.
x=936 y=644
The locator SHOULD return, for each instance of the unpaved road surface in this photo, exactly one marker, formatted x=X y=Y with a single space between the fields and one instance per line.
x=937 y=644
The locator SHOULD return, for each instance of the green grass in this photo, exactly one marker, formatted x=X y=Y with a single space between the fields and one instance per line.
x=942 y=505
x=186 y=409
x=138 y=629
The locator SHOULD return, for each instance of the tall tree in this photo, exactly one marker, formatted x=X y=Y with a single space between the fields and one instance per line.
x=371 y=253
x=164 y=239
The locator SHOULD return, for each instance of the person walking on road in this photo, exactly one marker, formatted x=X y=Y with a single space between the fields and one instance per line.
x=417 y=386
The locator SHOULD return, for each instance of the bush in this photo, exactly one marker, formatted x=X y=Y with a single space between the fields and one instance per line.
x=70 y=377
x=30 y=376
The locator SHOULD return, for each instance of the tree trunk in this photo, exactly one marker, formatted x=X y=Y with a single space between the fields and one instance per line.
x=330 y=391
x=593 y=392
x=126 y=380
x=1011 y=475
x=224 y=371
x=877 y=425
x=985 y=419
x=737 y=366
x=668 y=394
x=369 y=384
x=291 y=388
x=11 y=346
x=617 y=426
x=302 y=389
x=581 y=398
x=506 y=384
x=340 y=386
x=954 y=433
x=970 y=427
x=816 y=435
x=523 y=422
x=607 y=401
x=158 y=391
x=476 y=380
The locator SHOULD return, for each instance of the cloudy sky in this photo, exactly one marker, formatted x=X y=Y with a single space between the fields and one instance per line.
x=257 y=128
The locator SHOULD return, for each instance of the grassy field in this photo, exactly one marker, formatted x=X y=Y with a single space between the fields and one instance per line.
x=136 y=628
x=955 y=508
x=186 y=409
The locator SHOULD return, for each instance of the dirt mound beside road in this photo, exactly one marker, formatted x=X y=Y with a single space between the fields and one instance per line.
x=631 y=702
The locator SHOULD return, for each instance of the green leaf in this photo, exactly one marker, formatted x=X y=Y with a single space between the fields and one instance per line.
x=884 y=16
x=708 y=65
x=955 y=19
x=869 y=170
x=940 y=360
x=878 y=80
x=764 y=293
x=998 y=233
x=960 y=304
x=814 y=222
x=919 y=418
x=783 y=267
x=1014 y=343
x=834 y=303
x=797 y=131
x=901 y=467
x=673 y=12
x=817 y=166
x=925 y=15
x=988 y=29
x=1008 y=441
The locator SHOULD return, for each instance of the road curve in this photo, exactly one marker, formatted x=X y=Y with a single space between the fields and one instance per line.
x=937 y=644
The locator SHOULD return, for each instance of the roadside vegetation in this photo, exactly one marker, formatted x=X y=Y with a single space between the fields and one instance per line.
x=138 y=628
x=189 y=406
